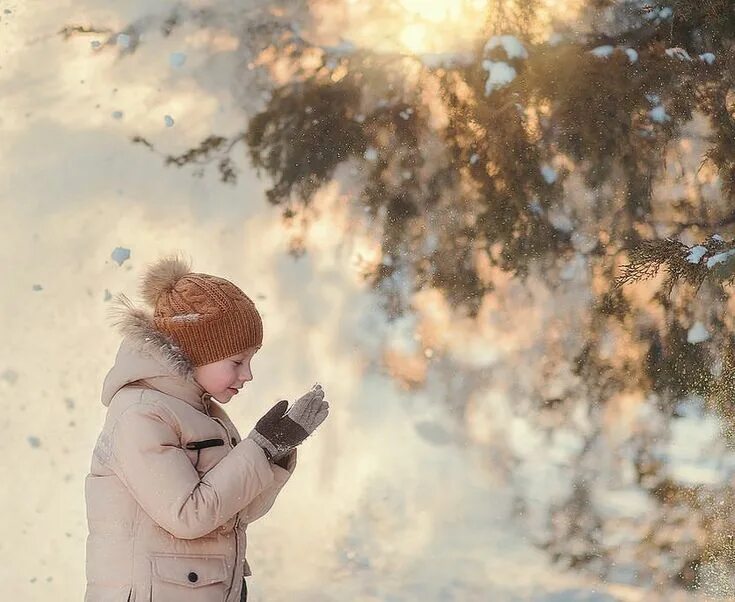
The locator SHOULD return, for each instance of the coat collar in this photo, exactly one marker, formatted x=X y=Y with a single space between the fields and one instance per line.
x=176 y=387
x=147 y=356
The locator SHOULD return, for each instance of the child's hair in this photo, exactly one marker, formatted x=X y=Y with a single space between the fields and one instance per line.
x=207 y=317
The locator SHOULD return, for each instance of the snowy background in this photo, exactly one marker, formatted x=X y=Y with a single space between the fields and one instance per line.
x=400 y=496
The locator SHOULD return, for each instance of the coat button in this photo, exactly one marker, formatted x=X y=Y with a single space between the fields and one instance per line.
x=234 y=441
x=193 y=577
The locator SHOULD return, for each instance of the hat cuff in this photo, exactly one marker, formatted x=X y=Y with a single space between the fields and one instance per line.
x=209 y=341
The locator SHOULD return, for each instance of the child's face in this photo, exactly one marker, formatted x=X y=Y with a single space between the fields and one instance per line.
x=222 y=379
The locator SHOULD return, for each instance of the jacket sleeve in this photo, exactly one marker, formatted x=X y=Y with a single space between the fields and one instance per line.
x=264 y=502
x=146 y=455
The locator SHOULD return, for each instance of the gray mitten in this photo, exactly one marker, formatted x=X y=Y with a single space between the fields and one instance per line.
x=283 y=428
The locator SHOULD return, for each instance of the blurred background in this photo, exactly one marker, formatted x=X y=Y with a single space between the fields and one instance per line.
x=498 y=232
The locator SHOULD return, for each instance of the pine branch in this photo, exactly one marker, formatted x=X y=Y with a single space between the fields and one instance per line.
x=714 y=258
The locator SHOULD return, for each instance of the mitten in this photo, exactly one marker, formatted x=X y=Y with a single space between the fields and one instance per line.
x=283 y=428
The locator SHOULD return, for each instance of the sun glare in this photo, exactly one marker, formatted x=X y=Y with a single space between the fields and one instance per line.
x=440 y=25
x=422 y=27
x=433 y=10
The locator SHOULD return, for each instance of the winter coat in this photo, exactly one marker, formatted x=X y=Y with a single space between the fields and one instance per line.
x=172 y=487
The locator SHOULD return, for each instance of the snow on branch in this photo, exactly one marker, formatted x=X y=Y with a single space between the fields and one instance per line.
x=714 y=258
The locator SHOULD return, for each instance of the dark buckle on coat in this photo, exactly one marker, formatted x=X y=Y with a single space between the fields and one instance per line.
x=205 y=443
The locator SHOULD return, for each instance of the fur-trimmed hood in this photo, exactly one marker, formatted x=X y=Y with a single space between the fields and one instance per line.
x=146 y=354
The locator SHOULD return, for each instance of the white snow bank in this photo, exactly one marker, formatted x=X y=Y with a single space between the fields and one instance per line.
x=499 y=74
x=696 y=254
x=697 y=333
x=689 y=452
x=371 y=154
x=603 y=52
x=548 y=173
x=678 y=53
x=663 y=13
x=513 y=47
x=658 y=114
x=720 y=258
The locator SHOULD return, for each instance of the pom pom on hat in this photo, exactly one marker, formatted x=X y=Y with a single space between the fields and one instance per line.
x=161 y=277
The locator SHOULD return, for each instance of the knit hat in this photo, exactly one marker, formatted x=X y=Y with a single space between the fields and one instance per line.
x=208 y=317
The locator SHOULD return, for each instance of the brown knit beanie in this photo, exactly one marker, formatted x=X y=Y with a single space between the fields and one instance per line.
x=208 y=317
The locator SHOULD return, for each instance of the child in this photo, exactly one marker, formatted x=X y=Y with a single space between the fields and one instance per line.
x=172 y=487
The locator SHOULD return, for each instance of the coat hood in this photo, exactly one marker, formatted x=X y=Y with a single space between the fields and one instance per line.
x=148 y=355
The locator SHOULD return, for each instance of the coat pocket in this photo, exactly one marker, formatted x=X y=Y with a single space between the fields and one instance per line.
x=188 y=577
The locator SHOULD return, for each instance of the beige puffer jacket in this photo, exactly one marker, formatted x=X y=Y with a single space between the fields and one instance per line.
x=172 y=487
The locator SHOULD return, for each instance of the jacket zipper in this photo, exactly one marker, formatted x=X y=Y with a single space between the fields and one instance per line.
x=205 y=400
